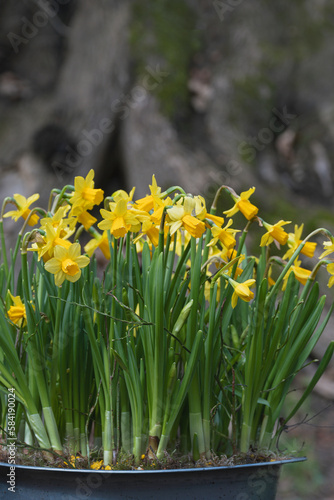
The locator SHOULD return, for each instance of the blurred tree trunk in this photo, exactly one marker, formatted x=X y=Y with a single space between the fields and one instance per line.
x=62 y=66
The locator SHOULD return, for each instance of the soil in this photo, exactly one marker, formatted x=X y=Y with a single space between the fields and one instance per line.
x=35 y=458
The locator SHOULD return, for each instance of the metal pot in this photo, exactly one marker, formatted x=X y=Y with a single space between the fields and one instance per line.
x=240 y=482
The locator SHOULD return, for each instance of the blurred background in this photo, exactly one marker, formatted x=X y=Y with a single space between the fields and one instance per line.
x=201 y=93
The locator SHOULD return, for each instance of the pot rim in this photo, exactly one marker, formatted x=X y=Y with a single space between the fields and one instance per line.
x=159 y=471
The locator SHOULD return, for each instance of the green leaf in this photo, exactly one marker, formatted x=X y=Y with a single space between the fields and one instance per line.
x=120 y=360
x=262 y=401
x=318 y=374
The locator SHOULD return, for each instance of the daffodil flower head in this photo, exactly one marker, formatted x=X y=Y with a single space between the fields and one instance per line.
x=242 y=290
x=60 y=219
x=148 y=202
x=243 y=205
x=17 y=311
x=151 y=231
x=99 y=241
x=23 y=210
x=120 y=194
x=86 y=219
x=294 y=240
x=85 y=196
x=159 y=207
x=200 y=207
x=45 y=245
x=274 y=233
x=216 y=219
x=224 y=235
x=329 y=248
x=301 y=274
x=120 y=219
x=330 y=269
x=182 y=215
x=67 y=263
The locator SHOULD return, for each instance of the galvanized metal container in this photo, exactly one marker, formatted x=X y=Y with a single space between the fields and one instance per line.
x=241 y=482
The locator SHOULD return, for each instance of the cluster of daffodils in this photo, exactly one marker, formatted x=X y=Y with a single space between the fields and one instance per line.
x=183 y=216
x=181 y=328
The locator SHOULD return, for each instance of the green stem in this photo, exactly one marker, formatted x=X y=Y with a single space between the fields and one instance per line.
x=159 y=350
x=107 y=439
x=3 y=248
x=11 y=271
x=208 y=368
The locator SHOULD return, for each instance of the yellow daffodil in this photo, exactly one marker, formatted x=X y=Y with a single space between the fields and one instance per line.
x=243 y=205
x=147 y=203
x=17 y=312
x=96 y=465
x=224 y=235
x=219 y=221
x=274 y=232
x=202 y=214
x=241 y=290
x=123 y=195
x=120 y=219
x=300 y=273
x=180 y=215
x=200 y=208
x=99 y=241
x=85 y=196
x=158 y=210
x=330 y=269
x=151 y=223
x=294 y=240
x=23 y=210
x=329 y=248
x=86 y=219
x=67 y=263
x=151 y=231
x=45 y=245
x=59 y=219
x=39 y=247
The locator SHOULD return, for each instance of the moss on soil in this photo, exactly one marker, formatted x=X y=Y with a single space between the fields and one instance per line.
x=36 y=458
